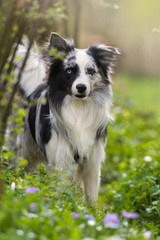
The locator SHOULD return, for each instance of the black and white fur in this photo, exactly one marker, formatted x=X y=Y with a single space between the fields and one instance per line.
x=69 y=130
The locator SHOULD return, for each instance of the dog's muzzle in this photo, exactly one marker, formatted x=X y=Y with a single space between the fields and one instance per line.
x=81 y=90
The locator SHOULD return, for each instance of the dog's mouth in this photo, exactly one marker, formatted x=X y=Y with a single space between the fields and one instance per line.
x=80 y=91
x=80 y=96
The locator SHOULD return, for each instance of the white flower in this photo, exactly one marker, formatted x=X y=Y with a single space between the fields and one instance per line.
x=99 y=228
x=19 y=232
x=124 y=175
x=133 y=160
x=125 y=224
x=13 y=186
x=91 y=222
x=115 y=238
x=147 y=158
x=147 y=234
x=32 y=235
x=149 y=210
x=32 y=215
x=88 y=238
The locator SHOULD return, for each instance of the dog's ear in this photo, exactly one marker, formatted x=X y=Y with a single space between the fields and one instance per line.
x=104 y=57
x=60 y=43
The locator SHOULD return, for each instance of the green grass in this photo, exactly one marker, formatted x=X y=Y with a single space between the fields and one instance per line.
x=129 y=182
x=143 y=90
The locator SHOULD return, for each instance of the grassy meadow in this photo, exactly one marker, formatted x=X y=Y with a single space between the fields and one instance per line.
x=41 y=207
x=142 y=90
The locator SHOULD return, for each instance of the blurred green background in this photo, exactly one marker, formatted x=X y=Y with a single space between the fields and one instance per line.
x=130 y=25
x=133 y=27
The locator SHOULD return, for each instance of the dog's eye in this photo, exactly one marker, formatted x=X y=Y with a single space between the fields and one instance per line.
x=91 y=71
x=69 y=71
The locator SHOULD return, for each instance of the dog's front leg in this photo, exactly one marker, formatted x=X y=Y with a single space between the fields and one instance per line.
x=92 y=170
x=91 y=178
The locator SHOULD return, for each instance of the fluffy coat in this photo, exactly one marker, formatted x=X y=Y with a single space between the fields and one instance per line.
x=69 y=129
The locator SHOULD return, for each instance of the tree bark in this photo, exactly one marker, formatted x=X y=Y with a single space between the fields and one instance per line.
x=1 y=179
x=78 y=5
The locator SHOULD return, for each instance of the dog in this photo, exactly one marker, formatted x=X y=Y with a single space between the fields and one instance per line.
x=69 y=128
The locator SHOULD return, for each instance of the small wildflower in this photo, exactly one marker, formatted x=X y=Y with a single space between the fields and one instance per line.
x=33 y=206
x=129 y=215
x=111 y=220
x=81 y=208
x=99 y=228
x=147 y=158
x=19 y=232
x=125 y=223
x=85 y=211
x=149 y=210
x=91 y=222
x=90 y=217
x=147 y=234
x=115 y=238
x=32 y=235
x=86 y=238
x=32 y=215
x=32 y=189
x=82 y=225
x=13 y=186
x=75 y=215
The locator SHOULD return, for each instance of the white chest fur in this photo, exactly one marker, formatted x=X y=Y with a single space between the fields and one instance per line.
x=81 y=120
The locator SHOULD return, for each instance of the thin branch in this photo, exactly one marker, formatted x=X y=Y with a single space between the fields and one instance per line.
x=3 y=85
x=7 y=110
x=1 y=179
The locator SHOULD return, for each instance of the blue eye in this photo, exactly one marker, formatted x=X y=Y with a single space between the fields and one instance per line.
x=69 y=71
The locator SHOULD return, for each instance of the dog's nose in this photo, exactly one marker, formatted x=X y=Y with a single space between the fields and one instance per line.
x=81 y=88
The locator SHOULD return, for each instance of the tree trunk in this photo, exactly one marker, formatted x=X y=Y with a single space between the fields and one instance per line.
x=1 y=179
x=78 y=5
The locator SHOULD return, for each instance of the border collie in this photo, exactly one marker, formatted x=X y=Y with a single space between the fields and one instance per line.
x=69 y=129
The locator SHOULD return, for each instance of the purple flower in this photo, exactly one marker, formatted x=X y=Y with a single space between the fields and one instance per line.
x=33 y=206
x=129 y=215
x=85 y=211
x=75 y=215
x=111 y=220
x=32 y=189
x=90 y=217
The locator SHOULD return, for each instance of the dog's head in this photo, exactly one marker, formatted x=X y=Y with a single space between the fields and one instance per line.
x=79 y=72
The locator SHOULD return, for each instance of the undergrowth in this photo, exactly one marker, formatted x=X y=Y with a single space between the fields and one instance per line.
x=42 y=207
